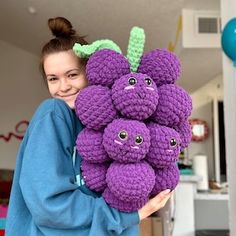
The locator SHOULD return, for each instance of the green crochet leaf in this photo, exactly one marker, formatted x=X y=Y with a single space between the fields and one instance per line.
x=84 y=51
x=135 y=47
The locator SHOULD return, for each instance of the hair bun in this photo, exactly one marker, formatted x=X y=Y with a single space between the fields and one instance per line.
x=61 y=27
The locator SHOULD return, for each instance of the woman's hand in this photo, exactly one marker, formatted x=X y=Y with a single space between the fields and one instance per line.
x=154 y=204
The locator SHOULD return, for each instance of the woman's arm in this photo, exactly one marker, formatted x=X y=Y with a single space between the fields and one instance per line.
x=47 y=183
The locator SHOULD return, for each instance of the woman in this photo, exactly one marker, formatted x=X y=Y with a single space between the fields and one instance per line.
x=45 y=198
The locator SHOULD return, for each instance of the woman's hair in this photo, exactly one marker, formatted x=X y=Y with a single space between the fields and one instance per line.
x=64 y=39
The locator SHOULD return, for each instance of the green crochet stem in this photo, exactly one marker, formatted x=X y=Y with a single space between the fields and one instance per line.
x=84 y=51
x=135 y=47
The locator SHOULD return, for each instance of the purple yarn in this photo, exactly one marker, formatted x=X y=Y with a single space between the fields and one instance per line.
x=94 y=107
x=174 y=106
x=94 y=175
x=144 y=157
x=130 y=182
x=166 y=178
x=161 y=65
x=165 y=145
x=185 y=131
x=126 y=140
x=135 y=96
x=105 y=66
x=124 y=206
x=89 y=145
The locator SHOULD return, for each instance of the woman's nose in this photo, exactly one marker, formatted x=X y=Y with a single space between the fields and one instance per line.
x=64 y=85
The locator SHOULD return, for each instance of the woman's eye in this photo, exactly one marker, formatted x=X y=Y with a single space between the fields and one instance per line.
x=173 y=142
x=52 y=79
x=132 y=81
x=148 y=81
x=72 y=75
x=123 y=135
x=138 y=139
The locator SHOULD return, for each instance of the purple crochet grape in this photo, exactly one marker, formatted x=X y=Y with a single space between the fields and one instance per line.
x=165 y=145
x=124 y=206
x=185 y=131
x=174 y=106
x=166 y=178
x=94 y=175
x=89 y=145
x=94 y=107
x=135 y=96
x=126 y=140
x=130 y=182
x=105 y=66
x=161 y=65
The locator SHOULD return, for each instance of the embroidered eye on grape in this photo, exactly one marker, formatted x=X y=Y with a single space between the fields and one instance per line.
x=148 y=81
x=138 y=139
x=173 y=142
x=132 y=81
x=123 y=135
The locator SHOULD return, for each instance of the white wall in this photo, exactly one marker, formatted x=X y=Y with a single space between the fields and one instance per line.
x=213 y=89
x=203 y=109
x=21 y=90
x=191 y=37
x=205 y=147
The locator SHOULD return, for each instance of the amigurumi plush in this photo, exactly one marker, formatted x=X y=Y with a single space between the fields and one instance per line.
x=106 y=66
x=161 y=65
x=165 y=145
x=94 y=175
x=166 y=178
x=124 y=206
x=124 y=158
x=135 y=96
x=185 y=131
x=129 y=182
x=174 y=105
x=126 y=140
x=89 y=145
x=94 y=107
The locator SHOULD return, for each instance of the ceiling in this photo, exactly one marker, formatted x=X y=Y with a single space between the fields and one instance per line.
x=112 y=19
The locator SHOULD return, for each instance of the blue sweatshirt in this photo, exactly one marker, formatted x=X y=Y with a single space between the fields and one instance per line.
x=45 y=199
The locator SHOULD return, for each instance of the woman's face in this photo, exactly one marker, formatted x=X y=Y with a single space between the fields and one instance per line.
x=65 y=76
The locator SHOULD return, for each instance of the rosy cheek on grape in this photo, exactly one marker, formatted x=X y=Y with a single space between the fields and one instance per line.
x=118 y=142
x=150 y=88
x=169 y=151
x=129 y=87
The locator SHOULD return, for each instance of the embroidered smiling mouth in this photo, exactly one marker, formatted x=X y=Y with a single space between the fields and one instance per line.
x=124 y=153
x=141 y=96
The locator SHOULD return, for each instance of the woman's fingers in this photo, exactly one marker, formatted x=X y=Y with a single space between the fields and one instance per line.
x=154 y=204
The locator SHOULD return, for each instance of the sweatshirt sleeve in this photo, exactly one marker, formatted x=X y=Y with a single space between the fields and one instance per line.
x=47 y=183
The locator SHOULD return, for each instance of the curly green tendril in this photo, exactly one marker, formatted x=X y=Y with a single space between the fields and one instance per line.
x=84 y=51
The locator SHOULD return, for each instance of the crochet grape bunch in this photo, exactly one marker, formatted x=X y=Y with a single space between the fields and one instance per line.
x=135 y=119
